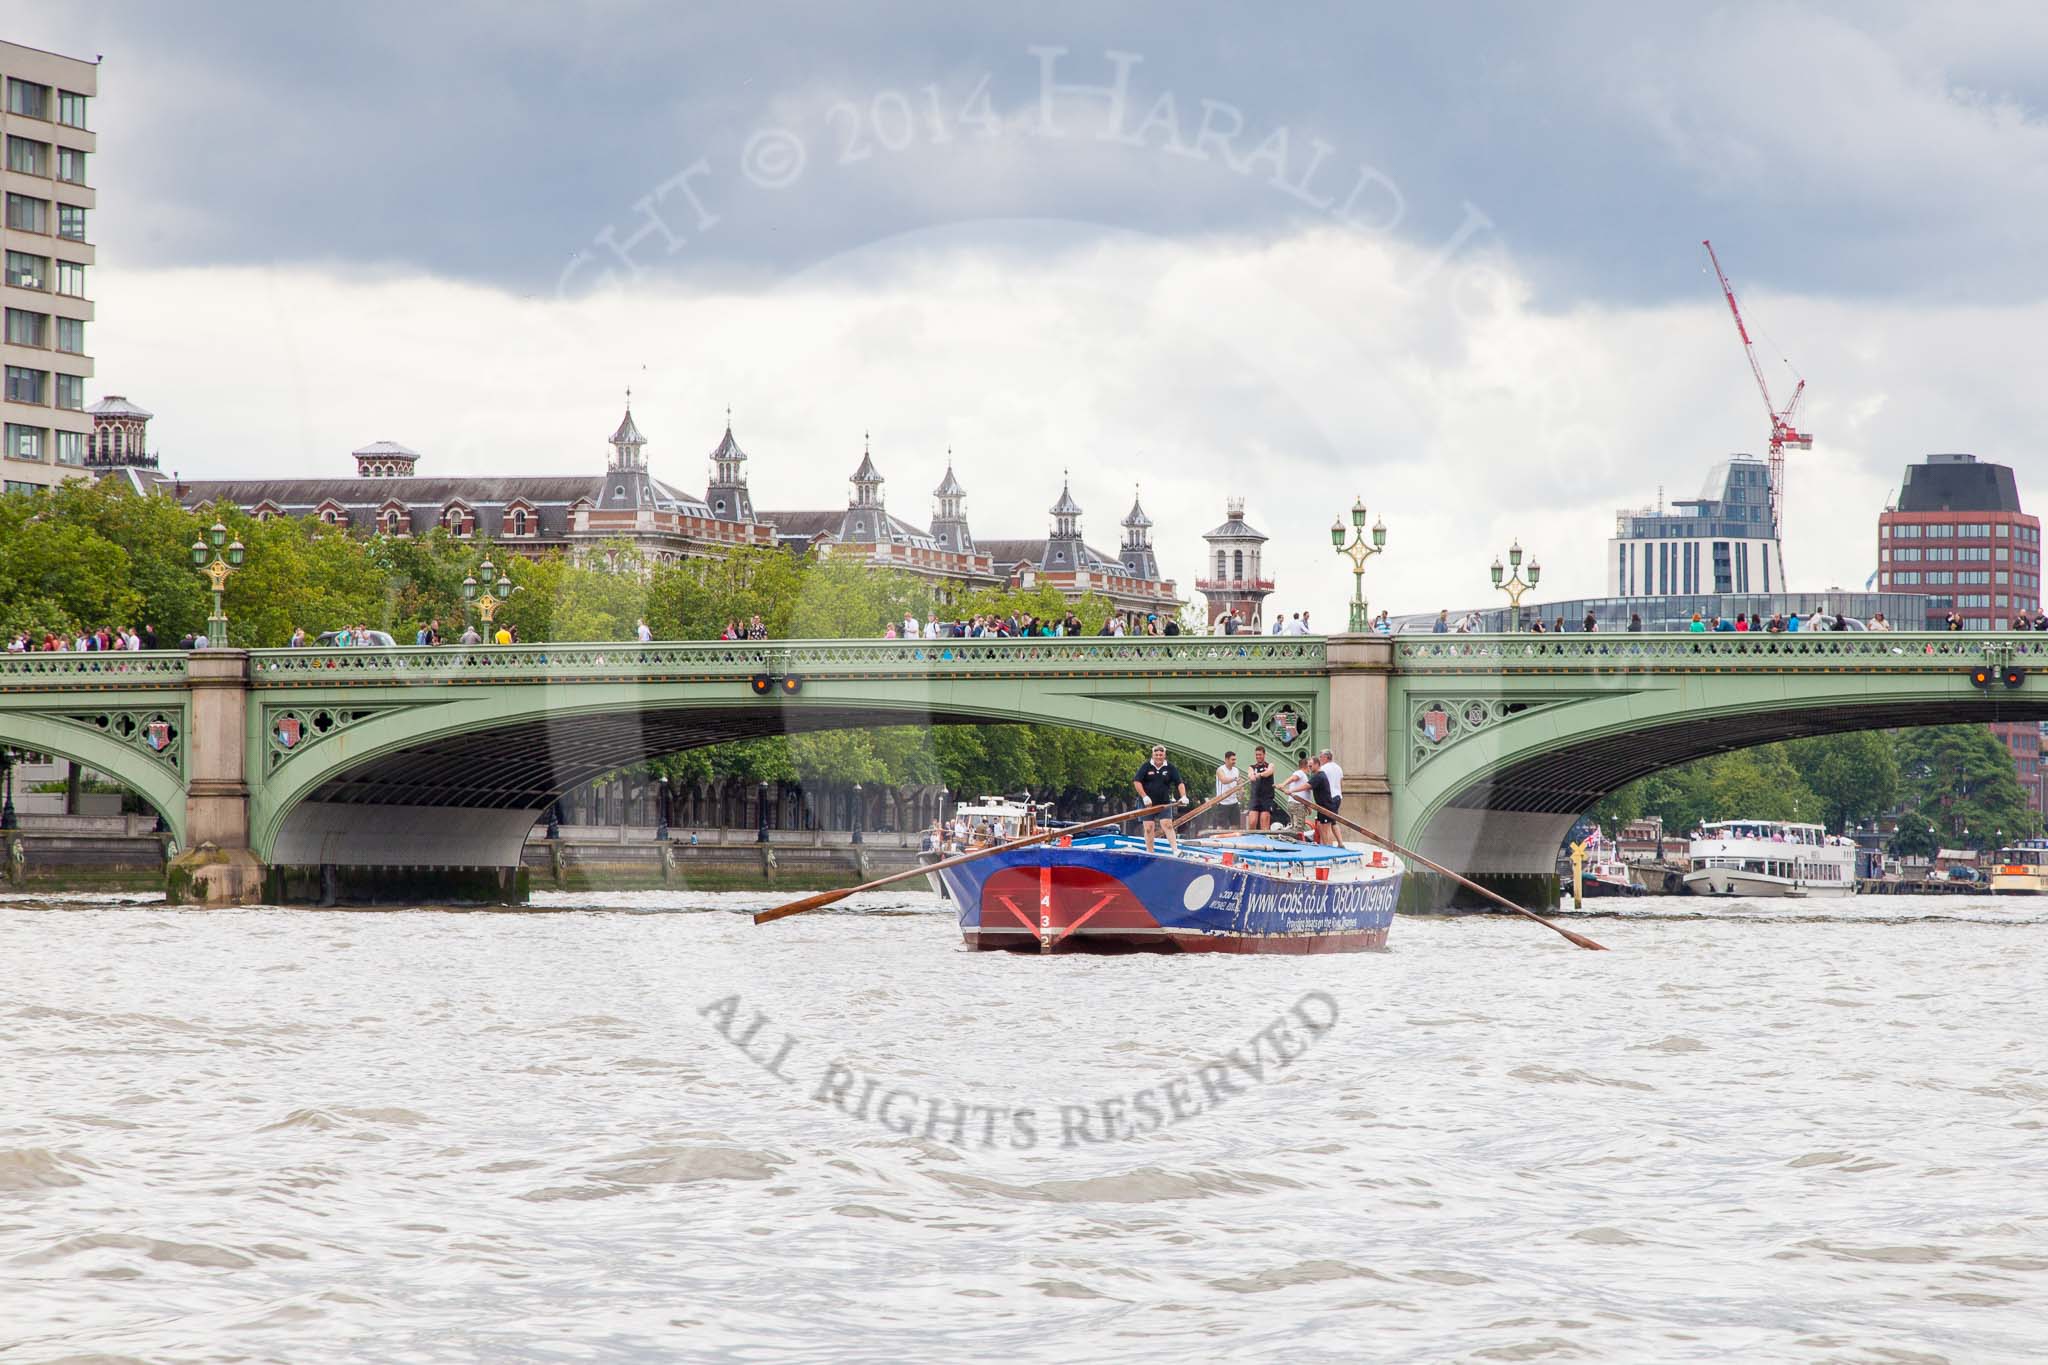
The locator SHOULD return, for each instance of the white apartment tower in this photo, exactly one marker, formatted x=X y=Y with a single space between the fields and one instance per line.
x=46 y=236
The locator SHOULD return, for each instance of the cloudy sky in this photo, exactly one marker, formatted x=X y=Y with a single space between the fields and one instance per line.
x=1448 y=262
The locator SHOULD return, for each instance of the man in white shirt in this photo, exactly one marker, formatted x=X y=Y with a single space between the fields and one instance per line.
x=1297 y=787
x=1296 y=626
x=1227 y=780
x=909 y=629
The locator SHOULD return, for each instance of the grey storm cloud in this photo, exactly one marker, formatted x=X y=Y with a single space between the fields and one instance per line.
x=1865 y=151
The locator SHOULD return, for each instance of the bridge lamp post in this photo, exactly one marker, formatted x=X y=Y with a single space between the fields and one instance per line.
x=487 y=605
x=1359 y=551
x=661 y=815
x=1514 y=587
x=761 y=809
x=217 y=563
x=8 y=759
x=856 y=813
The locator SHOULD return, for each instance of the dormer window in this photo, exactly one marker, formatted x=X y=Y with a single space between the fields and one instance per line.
x=721 y=504
x=619 y=492
x=391 y=523
x=328 y=517
x=519 y=523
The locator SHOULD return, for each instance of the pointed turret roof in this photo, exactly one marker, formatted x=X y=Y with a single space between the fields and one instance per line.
x=867 y=473
x=1066 y=506
x=949 y=487
x=728 y=448
x=628 y=434
x=1137 y=516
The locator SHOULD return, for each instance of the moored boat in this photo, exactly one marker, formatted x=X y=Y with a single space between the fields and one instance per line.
x=1245 y=893
x=2021 y=869
x=1604 y=873
x=992 y=820
x=1760 y=858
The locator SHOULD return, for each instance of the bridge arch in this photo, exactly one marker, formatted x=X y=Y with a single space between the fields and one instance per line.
x=114 y=754
x=425 y=771
x=1501 y=743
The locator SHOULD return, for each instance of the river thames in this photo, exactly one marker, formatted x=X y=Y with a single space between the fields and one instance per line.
x=642 y=1128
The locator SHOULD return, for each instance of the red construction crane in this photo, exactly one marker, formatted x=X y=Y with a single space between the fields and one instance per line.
x=1783 y=433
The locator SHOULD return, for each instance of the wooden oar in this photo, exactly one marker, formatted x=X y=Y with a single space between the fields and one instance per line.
x=825 y=898
x=1580 y=939
x=1182 y=820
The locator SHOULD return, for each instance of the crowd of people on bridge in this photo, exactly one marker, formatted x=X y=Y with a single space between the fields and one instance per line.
x=1020 y=625
x=85 y=641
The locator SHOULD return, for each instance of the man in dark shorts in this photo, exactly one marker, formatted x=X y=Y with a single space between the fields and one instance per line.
x=1259 y=813
x=1158 y=781
x=1319 y=793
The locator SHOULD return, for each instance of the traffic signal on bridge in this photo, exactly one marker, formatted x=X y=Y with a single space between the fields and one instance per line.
x=1983 y=675
x=793 y=685
x=763 y=684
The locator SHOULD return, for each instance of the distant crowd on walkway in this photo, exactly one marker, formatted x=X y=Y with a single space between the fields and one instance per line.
x=1020 y=625
x=85 y=642
x=1741 y=623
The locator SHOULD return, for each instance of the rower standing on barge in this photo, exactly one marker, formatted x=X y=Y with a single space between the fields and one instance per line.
x=1158 y=781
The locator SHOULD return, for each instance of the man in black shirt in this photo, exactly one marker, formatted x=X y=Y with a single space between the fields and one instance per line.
x=1158 y=781
x=1259 y=815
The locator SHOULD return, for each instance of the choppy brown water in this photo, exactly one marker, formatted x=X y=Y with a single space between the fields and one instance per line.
x=1818 y=1134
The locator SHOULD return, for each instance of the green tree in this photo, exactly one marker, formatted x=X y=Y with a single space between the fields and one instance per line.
x=1758 y=784
x=1855 y=776
x=1961 y=780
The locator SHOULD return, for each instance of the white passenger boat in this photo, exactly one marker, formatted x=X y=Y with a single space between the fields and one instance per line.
x=1770 y=858
x=991 y=820
x=2021 y=869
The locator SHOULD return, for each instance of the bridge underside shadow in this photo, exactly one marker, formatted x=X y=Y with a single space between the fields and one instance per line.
x=471 y=800
x=1505 y=827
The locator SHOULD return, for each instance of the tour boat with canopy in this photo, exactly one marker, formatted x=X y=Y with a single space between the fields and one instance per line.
x=1238 y=893
x=1770 y=858
x=981 y=824
x=2021 y=869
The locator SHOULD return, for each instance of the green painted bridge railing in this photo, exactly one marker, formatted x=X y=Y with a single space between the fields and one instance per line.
x=58 y=670
x=687 y=660
x=1716 y=652
x=1845 y=651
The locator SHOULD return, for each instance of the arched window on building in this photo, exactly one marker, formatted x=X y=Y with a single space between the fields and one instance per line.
x=1221 y=566
x=391 y=522
x=519 y=522
x=1237 y=563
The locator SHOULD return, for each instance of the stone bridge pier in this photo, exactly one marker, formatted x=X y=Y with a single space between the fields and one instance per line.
x=217 y=866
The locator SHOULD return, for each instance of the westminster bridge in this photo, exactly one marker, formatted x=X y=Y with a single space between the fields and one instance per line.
x=1477 y=750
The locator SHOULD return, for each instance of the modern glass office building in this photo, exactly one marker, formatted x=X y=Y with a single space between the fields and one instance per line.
x=1724 y=541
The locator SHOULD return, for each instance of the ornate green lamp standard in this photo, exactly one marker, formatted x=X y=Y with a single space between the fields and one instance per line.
x=1514 y=587
x=1359 y=552
x=487 y=605
x=217 y=563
